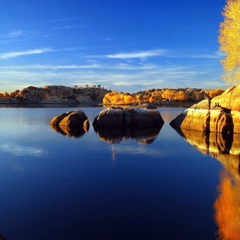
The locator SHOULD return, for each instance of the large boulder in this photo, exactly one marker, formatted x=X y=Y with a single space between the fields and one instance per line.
x=219 y=114
x=145 y=115
x=142 y=123
x=74 y=123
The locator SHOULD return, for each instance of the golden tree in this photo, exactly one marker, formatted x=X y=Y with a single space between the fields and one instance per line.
x=229 y=39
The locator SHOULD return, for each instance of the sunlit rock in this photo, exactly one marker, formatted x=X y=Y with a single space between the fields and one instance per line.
x=219 y=114
x=73 y=123
x=145 y=115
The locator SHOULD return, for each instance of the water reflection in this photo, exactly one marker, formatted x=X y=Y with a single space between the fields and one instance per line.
x=70 y=131
x=116 y=135
x=225 y=148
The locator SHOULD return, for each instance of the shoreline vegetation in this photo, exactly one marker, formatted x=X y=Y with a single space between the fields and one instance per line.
x=99 y=96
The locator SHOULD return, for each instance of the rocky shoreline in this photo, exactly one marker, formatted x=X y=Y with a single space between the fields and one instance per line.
x=63 y=95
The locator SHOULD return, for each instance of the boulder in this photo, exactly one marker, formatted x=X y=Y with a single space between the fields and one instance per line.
x=74 y=119
x=219 y=114
x=145 y=115
x=73 y=123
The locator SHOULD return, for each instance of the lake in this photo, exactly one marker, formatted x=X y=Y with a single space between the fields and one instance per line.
x=55 y=186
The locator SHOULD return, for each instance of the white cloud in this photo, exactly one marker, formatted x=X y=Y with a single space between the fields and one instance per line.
x=5 y=56
x=140 y=55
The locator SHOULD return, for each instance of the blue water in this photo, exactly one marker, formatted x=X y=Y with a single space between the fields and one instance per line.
x=58 y=187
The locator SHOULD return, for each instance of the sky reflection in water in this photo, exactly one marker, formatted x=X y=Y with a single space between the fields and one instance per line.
x=58 y=187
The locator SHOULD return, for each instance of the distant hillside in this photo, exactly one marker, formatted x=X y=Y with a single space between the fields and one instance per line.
x=100 y=95
x=55 y=94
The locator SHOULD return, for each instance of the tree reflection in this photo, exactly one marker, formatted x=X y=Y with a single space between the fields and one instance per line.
x=227 y=208
x=225 y=148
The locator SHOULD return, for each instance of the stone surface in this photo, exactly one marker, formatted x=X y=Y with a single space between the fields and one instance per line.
x=219 y=114
x=145 y=115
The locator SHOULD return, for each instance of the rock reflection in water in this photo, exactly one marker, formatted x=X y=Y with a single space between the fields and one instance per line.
x=70 y=131
x=116 y=135
x=226 y=149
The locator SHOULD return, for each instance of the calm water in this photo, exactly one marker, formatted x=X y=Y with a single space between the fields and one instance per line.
x=58 y=187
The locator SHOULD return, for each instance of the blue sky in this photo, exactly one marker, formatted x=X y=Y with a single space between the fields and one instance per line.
x=122 y=45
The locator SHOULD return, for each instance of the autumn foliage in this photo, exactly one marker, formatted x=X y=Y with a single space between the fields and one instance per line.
x=158 y=96
x=229 y=39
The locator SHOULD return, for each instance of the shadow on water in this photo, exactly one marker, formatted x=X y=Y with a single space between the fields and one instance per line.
x=226 y=149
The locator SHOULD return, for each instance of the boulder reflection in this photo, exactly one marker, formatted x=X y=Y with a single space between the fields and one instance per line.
x=70 y=131
x=116 y=135
x=226 y=149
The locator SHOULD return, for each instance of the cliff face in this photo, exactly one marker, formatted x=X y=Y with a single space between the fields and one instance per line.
x=219 y=114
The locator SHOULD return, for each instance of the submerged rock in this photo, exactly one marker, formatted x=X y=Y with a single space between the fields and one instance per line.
x=219 y=114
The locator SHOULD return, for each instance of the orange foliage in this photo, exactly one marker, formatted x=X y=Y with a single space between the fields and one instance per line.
x=181 y=96
x=214 y=93
x=117 y=98
x=171 y=95
x=168 y=94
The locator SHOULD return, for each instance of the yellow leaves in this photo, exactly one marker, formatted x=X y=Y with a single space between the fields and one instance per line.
x=117 y=98
x=229 y=39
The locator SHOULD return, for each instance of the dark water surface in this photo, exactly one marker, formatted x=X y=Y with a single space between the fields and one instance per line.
x=58 y=187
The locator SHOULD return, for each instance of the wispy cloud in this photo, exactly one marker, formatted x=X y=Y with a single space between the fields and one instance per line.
x=215 y=55
x=63 y=19
x=126 y=78
x=67 y=27
x=5 y=56
x=15 y=34
x=140 y=54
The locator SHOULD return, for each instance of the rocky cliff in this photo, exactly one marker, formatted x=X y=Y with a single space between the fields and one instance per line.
x=219 y=114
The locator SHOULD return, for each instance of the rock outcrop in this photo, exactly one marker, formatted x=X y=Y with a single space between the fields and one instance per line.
x=145 y=115
x=73 y=123
x=59 y=94
x=219 y=114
